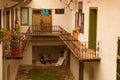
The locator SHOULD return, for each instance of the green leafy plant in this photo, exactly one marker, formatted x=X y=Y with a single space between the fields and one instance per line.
x=74 y=30
x=42 y=24
x=3 y=34
x=15 y=42
x=15 y=38
x=36 y=74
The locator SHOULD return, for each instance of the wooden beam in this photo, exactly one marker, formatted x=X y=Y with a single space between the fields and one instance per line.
x=17 y=0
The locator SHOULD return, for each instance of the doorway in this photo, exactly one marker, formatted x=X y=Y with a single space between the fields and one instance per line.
x=81 y=71
x=92 y=28
x=42 y=17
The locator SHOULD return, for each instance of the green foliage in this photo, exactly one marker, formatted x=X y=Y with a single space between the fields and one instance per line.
x=15 y=38
x=44 y=74
x=42 y=24
x=74 y=30
x=3 y=34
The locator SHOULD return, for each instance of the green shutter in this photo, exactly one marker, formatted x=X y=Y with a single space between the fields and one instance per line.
x=92 y=28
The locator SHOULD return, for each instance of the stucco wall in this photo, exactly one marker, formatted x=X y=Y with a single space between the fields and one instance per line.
x=1 y=62
x=64 y=20
x=74 y=66
x=27 y=59
x=107 y=33
x=11 y=68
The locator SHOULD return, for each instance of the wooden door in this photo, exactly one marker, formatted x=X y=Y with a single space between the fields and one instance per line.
x=47 y=19
x=92 y=28
x=36 y=19
x=81 y=71
x=39 y=18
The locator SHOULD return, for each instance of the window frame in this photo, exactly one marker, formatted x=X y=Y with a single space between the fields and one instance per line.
x=23 y=17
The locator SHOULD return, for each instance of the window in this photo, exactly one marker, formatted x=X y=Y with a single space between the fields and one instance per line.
x=59 y=11
x=36 y=11
x=79 y=18
x=80 y=6
x=24 y=16
x=118 y=60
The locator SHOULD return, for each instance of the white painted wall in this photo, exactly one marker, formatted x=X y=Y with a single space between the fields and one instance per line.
x=27 y=59
x=14 y=66
x=64 y=20
x=107 y=27
x=1 y=50
x=1 y=62
x=108 y=30
x=74 y=66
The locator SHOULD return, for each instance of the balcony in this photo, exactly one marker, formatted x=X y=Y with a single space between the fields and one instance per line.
x=13 y=49
x=79 y=49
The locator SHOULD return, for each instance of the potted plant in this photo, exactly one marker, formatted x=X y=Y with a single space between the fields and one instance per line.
x=78 y=29
x=75 y=34
x=15 y=42
x=42 y=24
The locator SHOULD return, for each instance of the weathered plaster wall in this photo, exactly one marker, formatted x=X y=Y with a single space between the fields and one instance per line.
x=74 y=66
x=107 y=33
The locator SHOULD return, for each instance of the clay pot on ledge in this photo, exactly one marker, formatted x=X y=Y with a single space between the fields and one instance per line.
x=75 y=34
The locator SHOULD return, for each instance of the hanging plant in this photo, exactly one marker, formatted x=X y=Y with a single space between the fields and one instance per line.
x=3 y=34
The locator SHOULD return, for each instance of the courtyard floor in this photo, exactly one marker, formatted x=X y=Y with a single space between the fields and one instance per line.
x=23 y=72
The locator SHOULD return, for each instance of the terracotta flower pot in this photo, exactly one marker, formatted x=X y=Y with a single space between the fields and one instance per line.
x=15 y=52
x=75 y=35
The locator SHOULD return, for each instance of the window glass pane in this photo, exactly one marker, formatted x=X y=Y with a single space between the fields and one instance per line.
x=36 y=11
x=59 y=11
x=24 y=16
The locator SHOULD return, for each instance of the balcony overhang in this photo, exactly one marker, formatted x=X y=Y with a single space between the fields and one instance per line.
x=17 y=0
x=21 y=0
x=13 y=57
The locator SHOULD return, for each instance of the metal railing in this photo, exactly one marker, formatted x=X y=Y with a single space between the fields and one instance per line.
x=79 y=49
x=16 y=53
